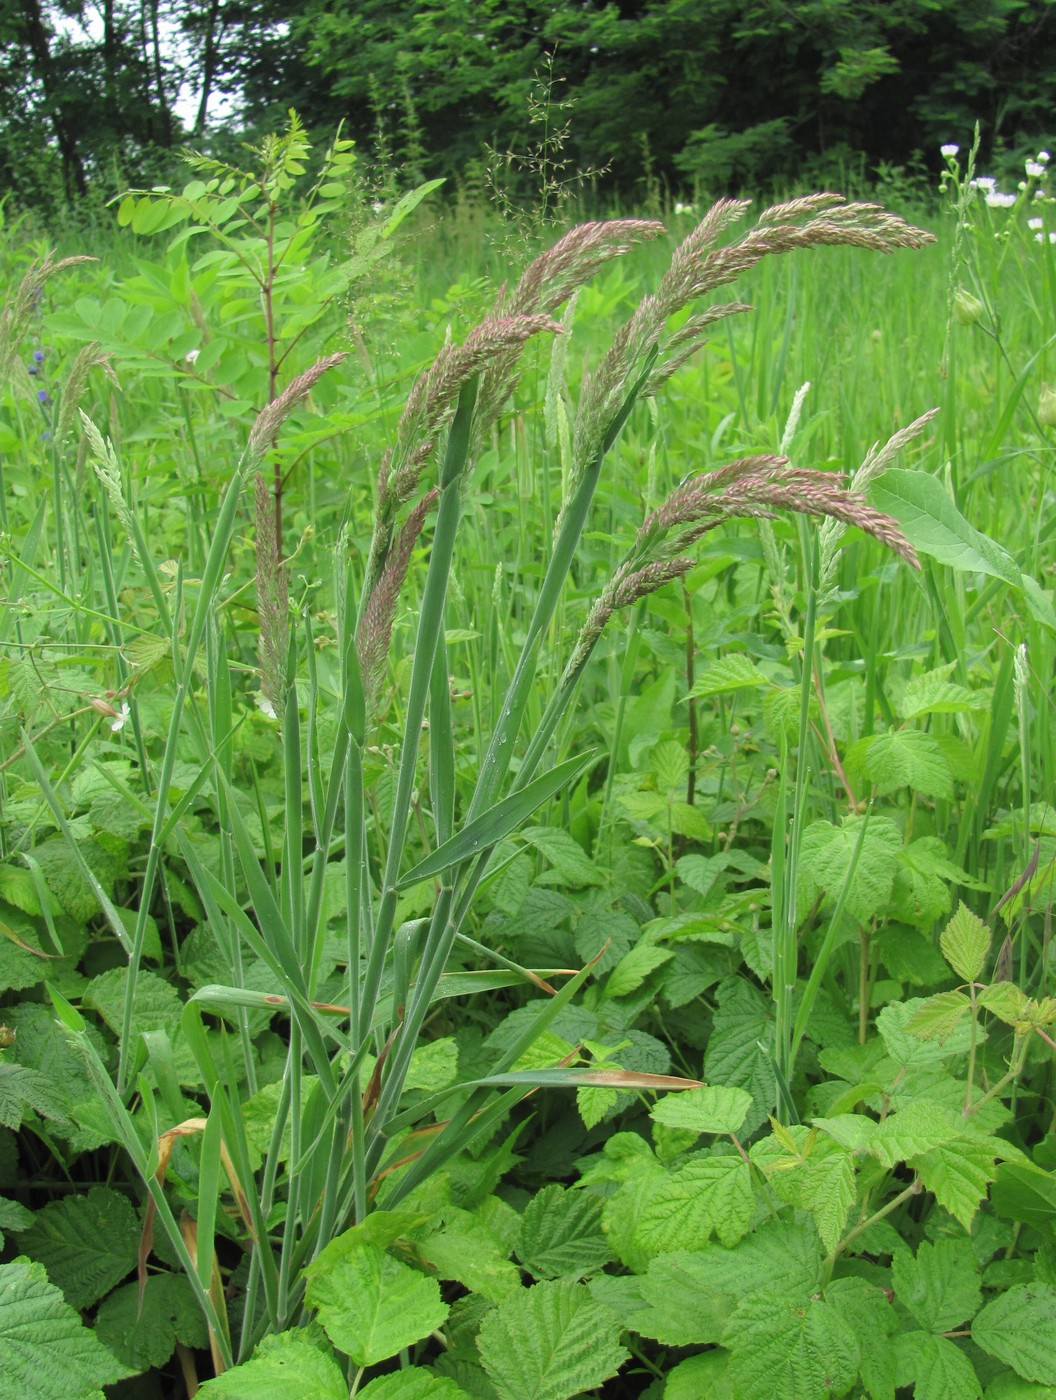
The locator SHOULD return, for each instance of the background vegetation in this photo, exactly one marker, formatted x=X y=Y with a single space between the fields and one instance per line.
x=714 y=92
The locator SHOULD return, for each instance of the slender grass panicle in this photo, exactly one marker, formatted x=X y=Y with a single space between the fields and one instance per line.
x=273 y=415
x=18 y=313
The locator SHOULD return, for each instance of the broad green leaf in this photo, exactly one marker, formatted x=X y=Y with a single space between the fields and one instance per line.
x=370 y=1304
x=965 y=942
x=570 y=864
x=708 y=1196
x=157 y=1006
x=25 y=1090
x=491 y=826
x=937 y=1369
x=701 y=872
x=712 y=1109
x=1019 y=1328
x=790 y=1348
x=728 y=674
x=697 y=1376
x=1005 y=1001
x=827 y=853
x=634 y=967
x=909 y=1051
x=286 y=1366
x=142 y=1329
x=919 y=1127
x=868 y=1311
x=935 y=526
x=86 y=1241
x=669 y=766
x=685 y=1307
x=412 y=1383
x=941 y=1286
x=561 y=1234
x=820 y=1181
x=957 y=1174
x=1025 y=1193
x=903 y=758
x=468 y=1253
x=550 y=1342
x=938 y=1016
x=45 y=1349
x=737 y=1052
x=851 y=1130
x=935 y=694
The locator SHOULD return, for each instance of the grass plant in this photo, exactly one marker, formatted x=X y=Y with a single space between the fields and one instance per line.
x=385 y=823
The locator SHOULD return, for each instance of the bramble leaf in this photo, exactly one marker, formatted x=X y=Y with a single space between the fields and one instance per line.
x=561 y=1234
x=958 y=1173
x=965 y=942
x=86 y=1241
x=370 y=1304
x=790 y=1348
x=941 y=1286
x=1019 y=1328
x=286 y=1366
x=712 y=1109
x=937 y=1369
x=709 y=1195
x=45 y=1349
x=550 y=1341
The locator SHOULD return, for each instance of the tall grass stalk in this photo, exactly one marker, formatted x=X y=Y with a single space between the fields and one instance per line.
x=343 y=1124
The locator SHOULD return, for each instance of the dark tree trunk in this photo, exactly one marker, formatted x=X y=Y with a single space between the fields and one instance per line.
x=37 y=41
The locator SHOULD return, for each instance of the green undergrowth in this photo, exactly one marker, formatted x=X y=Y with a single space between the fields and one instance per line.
x=497 y=900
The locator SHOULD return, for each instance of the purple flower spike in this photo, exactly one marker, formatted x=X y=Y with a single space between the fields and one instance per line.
x=38 y=357
x=32 y=369
x=42 y=395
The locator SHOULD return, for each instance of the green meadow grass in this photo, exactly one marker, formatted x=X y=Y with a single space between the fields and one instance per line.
x=743 y=837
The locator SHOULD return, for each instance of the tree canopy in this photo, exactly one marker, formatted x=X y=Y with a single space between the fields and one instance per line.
x=717 y=92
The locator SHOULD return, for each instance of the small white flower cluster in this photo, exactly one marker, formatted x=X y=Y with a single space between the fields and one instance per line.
x=683 y=208
x=1036 y=172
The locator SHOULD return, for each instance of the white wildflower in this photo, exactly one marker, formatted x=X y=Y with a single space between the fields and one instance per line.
x=116 y=725
x=377 y=206
x=949 y=151
x=1042 y=157
x=683 y=208
x=1034 y=169
x=996 y=200
x=265 y=706
x=1035 y=223
x=191 y=356
x=1040 y=238
x=983 y=182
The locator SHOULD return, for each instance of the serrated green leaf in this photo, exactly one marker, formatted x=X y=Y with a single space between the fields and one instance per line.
x=1026 y=1193
x=370 y=1304
x=466 y=1252
x=941 y=1286
x=937 y=1369
x=566 y=857
x=939 y=1016
x=827 y=852
x=669 y=766
x=23 y=1090
x=550 y=1342
x=910 y=1051
x=701 y=872
x=634 y=967
x=917 y=1128
x=285 y=1366
x=728 y=674
x=1009 y=1386
x=790 y=1349
x=706 y=1374
x=965 y=942
x=1019 y=1328
x=712 y=1109
x=934 y=694
x=737 y=1052
x=708 y=1196
x=1005 y=1001
x=412 y=1383
x=820 y=1181
x=957 y=1174
x=851 y=1130
x=87 y=1242
x=561 y=1234
x=903 y=758
x=157 y=1007
x=45 y=1349
x=142 y=1329
x=868 y=1311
